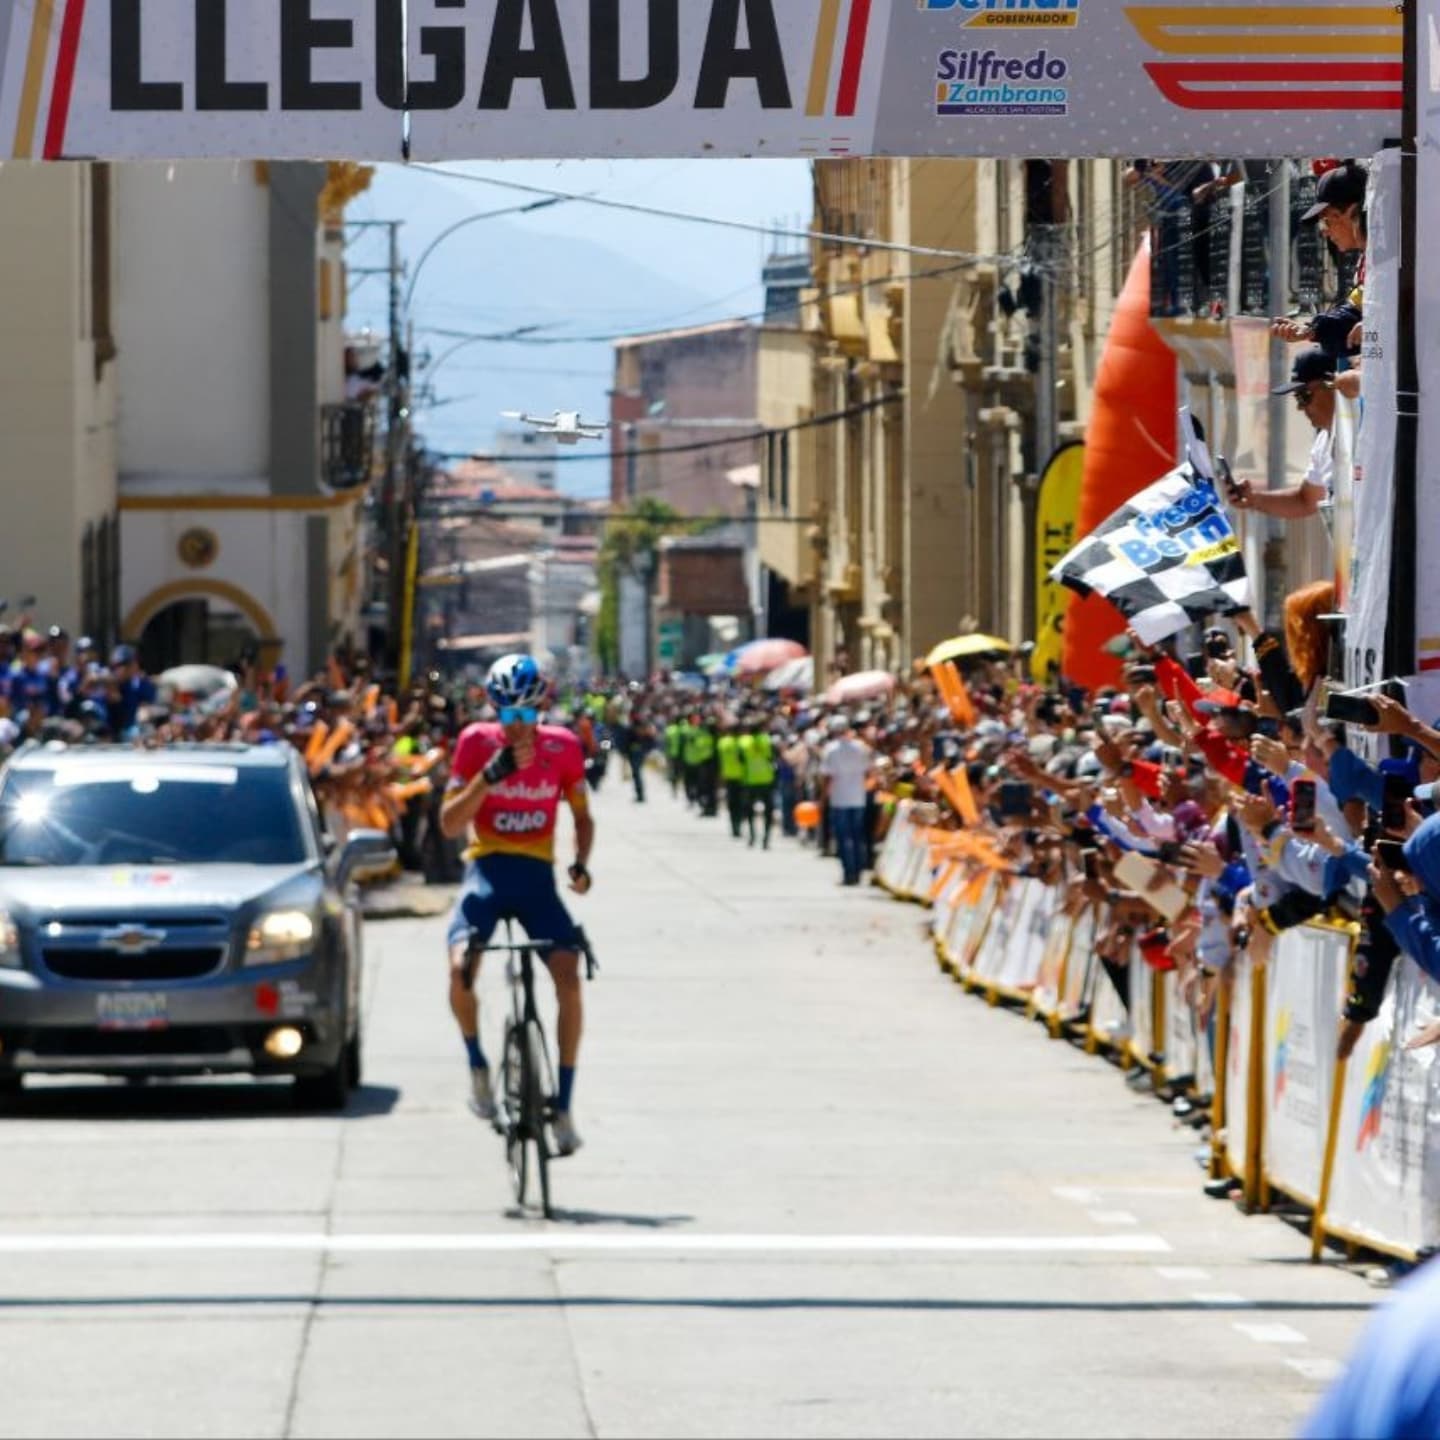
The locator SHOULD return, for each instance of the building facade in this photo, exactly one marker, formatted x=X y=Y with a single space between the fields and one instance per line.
x=187 y=407
x=941 y=381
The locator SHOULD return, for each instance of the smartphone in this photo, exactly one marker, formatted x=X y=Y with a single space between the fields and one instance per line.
x=1141 y=674
x=1351 y=709
x=1395 y=792
x=1302 y=806
x=1218 y=647
x=1268 y=726
x=1091 y=861
x=1197 y=665
x=1169 y=852
x=1016 y=799
x=1227 y=476
x=1391 y=854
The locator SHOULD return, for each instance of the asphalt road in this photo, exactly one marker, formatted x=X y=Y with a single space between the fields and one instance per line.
x=823 y=1193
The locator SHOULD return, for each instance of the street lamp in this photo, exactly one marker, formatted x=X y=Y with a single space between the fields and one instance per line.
x=445 y=234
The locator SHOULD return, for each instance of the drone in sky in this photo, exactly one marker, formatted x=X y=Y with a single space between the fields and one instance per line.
x=565 y=425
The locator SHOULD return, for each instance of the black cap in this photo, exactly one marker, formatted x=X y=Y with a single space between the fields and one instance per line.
x=1340 y=187
x=1310 y=365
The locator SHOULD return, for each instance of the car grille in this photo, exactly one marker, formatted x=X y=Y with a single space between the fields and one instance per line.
x=178 y=963
x=60 y=1043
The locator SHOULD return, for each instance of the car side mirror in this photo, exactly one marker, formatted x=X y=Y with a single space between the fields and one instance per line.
x=365 y=855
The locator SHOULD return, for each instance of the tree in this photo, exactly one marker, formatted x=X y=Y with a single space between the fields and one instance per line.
x=631 y=545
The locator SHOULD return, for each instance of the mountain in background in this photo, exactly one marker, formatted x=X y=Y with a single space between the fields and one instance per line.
x=543 y=269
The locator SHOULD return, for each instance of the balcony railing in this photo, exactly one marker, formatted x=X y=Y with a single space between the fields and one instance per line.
x=347 y=450
x=1194 y=250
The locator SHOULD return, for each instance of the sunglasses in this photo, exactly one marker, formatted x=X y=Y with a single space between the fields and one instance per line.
x=518 y=715
x=1303 y=398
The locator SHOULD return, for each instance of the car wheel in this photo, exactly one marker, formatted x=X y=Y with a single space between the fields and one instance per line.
x=357 y=1059
x=11 y=1088
x=331 y=1088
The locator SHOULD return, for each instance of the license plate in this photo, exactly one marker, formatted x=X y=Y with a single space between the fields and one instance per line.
x=132 y=1010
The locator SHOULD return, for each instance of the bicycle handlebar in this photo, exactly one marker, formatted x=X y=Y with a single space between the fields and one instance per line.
x=529 y=947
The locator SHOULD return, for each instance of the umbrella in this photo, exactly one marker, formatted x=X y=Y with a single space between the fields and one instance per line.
x=967 y=647
x=798 y=674
x=195 y=682
x=867 y=685
x=760 y=657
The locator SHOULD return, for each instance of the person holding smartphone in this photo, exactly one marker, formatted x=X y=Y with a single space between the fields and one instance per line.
x=1411 y=903
x=1312 y=383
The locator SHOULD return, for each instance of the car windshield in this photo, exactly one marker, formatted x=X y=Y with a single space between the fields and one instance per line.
x=149 y=814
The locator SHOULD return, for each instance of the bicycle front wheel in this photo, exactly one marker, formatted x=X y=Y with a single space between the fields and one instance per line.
x=516 y=1120
x=538 y=1090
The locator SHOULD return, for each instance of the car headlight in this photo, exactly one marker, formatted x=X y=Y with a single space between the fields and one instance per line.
x=9 y=943
x=279 y=936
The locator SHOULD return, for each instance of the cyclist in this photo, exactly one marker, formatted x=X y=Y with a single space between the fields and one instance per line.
x=507 y=781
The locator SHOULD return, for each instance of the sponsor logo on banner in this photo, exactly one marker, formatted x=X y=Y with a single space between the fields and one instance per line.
x=1009 y=14
x=1373 y=1101
x=980 y=82
x=1195 y=531
x=1316 y=58
x=1282 y=1055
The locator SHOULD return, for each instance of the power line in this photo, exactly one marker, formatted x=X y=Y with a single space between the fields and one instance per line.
x=687 y=217
x=750 y=438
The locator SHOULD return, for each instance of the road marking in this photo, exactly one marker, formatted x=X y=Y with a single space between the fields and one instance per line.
x=558 y=1243
x=1113 y=1217
x=1322 y=1370
x=1077 y=1193
x=1270 y=1334
x=1220 y=1297
x=1181 y=1272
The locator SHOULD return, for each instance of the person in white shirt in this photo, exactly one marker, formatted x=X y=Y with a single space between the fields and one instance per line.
x=1312 y=383
x=846 y=766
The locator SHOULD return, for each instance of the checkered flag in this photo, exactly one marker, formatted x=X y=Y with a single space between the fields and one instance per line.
x=1169 y=556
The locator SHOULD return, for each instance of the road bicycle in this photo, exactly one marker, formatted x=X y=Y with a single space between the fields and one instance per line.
x=527 y=1080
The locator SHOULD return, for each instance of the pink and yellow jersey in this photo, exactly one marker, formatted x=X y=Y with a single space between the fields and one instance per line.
x=519 y=815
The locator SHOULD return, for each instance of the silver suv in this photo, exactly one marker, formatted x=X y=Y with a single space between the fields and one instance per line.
x=178 y=911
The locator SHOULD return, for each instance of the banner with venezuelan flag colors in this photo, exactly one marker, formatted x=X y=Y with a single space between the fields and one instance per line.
x=430 y=79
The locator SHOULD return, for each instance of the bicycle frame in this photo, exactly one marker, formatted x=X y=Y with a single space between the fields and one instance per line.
x=525 y=1105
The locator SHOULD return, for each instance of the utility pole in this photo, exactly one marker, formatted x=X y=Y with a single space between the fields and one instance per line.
x=1276 y=579
x=393 y=538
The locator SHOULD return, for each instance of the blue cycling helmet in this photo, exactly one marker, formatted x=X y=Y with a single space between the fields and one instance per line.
x=515 y=680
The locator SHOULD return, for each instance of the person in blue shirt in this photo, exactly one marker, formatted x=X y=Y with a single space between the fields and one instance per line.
x=131 y=689
x=1391 y=1390
x=30 y=687
x=1414 y=919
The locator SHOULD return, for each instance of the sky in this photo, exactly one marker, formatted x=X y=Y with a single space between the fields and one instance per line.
x=574 y=269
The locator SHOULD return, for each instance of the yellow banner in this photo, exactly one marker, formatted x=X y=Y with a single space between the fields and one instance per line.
x=1057 y=511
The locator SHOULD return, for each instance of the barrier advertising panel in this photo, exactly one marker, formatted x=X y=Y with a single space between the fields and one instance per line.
x=1305 y=985
x=1386 y=1185
x=355 y=79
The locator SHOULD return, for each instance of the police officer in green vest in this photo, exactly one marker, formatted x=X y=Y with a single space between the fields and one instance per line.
x=732 y=775
x=674 y=749
x=703 y=751
x=757 y=754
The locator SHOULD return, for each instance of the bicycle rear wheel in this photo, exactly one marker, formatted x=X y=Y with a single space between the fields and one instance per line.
x=516 y=1119
x=539 y=1088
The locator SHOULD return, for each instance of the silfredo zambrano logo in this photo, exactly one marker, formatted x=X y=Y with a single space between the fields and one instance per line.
x=980 y=82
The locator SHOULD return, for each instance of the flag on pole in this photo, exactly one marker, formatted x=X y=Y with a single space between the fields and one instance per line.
x=1169 y=556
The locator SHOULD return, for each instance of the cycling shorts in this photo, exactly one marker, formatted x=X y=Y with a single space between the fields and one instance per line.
x=512 y=887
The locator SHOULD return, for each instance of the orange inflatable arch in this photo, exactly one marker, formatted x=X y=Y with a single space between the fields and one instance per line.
x=1129 y=444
